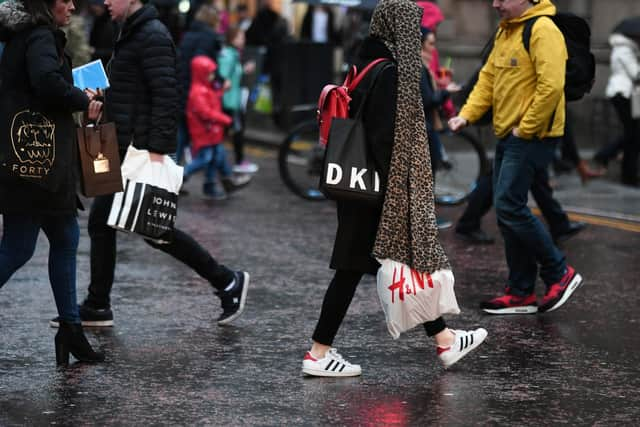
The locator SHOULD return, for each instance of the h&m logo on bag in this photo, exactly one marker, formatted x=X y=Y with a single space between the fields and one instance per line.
x=356 y=178
x=408 y=286
x=33 y=141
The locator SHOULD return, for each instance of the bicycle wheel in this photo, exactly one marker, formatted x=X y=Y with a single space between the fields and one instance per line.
x=300 y=161
x=464 y=160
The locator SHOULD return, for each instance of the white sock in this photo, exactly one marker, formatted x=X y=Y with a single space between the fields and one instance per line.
x=230 y=286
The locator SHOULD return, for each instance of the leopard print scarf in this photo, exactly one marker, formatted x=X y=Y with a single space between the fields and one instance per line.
x=407 y=231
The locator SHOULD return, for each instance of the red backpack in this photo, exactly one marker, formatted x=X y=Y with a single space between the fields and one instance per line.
x=334 y=99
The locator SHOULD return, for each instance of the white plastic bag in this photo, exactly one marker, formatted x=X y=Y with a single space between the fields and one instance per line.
x=149 y=203
x=410 y=298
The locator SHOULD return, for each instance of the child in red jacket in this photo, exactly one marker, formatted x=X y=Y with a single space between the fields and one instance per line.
x=207 y=123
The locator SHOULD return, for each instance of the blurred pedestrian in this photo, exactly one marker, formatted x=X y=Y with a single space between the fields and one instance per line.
x=480 y=200
x=243 y=18
x=207 y=125
x=77 y=40
x=102 y=32
x=232 y=70
x=199 y=39
x=433 y=98
x=318 y=25
x=432 y=17
x=404 y=228
x=270 y=30
x=36 y=77
x=526 y=92
x=143 y=102
x=625 y=75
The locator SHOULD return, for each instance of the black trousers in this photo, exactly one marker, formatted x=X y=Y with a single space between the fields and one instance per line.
x=481 y=199
x=103 y=255
x=630 y=144
x=336 y=302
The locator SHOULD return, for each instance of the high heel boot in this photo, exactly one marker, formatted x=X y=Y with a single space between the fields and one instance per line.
x=70 y=339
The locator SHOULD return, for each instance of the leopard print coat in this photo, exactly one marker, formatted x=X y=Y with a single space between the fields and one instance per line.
x=407 y=230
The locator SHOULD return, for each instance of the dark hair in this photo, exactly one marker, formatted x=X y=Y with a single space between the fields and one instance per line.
x=425 y=31
x=232 y=33
x=40 y=10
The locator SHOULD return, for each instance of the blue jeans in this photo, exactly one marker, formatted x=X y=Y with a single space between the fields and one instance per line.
x=527 y=242
x=20 y=234
x=213 y=159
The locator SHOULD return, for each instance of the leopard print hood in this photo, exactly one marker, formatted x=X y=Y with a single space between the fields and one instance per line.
x=13 y=18
x=407 y=231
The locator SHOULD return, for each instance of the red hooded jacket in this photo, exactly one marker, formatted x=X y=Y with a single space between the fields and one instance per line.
x=205 y=118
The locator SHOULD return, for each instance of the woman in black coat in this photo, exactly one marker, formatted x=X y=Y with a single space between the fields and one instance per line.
x=395 y=131
x=38 y=155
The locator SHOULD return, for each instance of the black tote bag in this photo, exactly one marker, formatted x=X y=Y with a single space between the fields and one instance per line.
x=349 y=172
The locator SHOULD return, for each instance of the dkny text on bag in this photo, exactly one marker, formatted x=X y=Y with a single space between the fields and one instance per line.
x=349 y=171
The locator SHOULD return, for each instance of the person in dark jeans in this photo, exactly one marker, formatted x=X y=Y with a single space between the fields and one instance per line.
x=526 y=92
x=38 y=94
x=145 y=45
x=480 y=201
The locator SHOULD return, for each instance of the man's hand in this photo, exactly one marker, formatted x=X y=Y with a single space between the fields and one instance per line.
x=515 y=132
x=456 y=123
x=156 y=157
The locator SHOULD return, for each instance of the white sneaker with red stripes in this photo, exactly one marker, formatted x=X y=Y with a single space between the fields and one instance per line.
x=463 y=343
x=331 y=365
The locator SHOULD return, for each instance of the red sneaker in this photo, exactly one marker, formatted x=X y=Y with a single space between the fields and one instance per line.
x=511 y=304
x=558 y=293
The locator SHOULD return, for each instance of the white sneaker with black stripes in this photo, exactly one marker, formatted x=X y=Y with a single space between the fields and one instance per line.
x=331 y=365
x=463 y=343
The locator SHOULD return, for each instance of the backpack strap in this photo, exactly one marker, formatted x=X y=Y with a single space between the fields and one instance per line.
x=357 y=78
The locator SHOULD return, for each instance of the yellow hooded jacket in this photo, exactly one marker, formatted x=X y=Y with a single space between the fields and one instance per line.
x=525 y=89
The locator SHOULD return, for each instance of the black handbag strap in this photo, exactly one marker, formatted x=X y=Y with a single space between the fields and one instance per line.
x=376 y=72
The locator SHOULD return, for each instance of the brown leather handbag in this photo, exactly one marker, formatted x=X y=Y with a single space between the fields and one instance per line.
x=99 y=159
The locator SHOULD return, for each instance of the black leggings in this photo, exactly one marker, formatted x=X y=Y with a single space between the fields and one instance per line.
x=336 y=302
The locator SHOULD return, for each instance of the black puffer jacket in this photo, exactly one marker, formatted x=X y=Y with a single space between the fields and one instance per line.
x=36 y=75
x=143 y=97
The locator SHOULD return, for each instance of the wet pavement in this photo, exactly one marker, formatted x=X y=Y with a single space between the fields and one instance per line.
x=168 y=363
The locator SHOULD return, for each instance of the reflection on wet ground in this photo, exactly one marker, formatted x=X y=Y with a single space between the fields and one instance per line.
x=169 y=363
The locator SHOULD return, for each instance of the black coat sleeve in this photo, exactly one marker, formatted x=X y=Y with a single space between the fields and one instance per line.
x=160 y=77
x=431 y=98
x=44 y=68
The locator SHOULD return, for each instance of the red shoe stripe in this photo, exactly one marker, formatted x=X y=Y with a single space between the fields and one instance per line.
x=308 y=356
x=441 y=350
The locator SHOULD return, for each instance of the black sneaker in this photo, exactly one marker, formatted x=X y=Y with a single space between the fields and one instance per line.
x=477 y=237
x=89 y=316
x=233 y=300
x=574 y=228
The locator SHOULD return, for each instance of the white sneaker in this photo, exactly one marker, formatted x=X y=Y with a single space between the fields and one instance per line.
x=463 y=343
x=331 y=365
x=246 y=167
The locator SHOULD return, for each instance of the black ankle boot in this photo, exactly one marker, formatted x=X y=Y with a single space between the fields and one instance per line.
x=70 y=339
